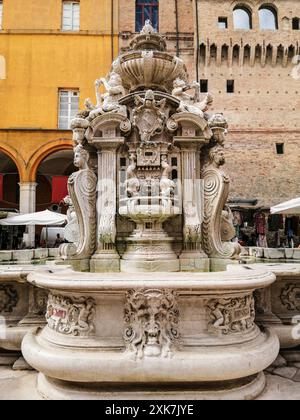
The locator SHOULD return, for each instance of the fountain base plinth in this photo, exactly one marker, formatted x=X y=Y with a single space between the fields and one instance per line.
x=106 y=261
x=244 y=389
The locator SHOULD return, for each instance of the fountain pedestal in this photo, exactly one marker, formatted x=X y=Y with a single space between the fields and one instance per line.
x=149 y=248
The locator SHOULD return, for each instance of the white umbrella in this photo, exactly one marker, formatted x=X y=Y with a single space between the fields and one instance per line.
x=291 y=207
x=42 y=218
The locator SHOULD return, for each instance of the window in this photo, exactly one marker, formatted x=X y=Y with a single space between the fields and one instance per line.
x=68 y=107
x=230 y=86
x=123 y=162
x=268 y=18
x=223 y=23
x=174 y=161
x=296 y=24
x=204 y=86
x=2 y=68
x=280 y=148
x=242 y=18
x=71 y=16
x=1 y=14
x=146 y=10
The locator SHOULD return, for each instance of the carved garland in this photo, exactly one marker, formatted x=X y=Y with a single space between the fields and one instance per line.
x=8 y=299
x=290 y=297
x=71 y=316
x=232 y=315
x=151 y=318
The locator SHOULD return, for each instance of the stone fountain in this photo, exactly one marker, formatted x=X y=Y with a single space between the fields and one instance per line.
x=138 y=314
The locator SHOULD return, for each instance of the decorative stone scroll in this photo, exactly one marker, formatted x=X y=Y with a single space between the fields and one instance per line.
x=290 y=297
x=152 y=319
x=216 y=223
x=8 y=299
x=71 y=316
x=82 y=189
x=232 y=315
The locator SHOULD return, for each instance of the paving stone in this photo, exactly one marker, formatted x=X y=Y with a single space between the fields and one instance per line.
x=279 y=362
x=296 y=378
x=286 y=372
x=291 y=355
x=21 y=364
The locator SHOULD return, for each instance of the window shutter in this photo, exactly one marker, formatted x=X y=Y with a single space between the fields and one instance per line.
x=67 y=16
x=1 y=14
x=68 y=107
x=76 y=16
x=71 y=16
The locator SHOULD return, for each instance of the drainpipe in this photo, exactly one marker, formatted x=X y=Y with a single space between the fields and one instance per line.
x=197 y=39
x=177 y=28
x=112 y=30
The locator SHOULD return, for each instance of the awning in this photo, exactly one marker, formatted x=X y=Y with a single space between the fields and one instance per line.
x=291 y=207
x=42 y=218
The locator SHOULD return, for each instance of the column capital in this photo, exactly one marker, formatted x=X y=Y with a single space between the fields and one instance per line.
x=190 y=144
x=107 y=144
x=28 y=184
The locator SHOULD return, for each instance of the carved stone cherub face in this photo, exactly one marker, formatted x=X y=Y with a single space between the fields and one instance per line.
x=179 y=83
x=115 y=80
x=149 y=99
x=67 y=201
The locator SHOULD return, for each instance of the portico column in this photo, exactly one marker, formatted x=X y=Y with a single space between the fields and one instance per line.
x=28 y=205
x=107 y=257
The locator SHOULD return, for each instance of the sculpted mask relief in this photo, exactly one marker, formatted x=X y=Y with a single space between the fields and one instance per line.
x=151 y=319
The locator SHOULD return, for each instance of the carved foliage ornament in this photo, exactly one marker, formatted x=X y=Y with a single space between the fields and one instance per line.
x=290 y=297
x=8 y=299
x=38 y=301
x=232 y=315
x=71 y=316
x=151 y=318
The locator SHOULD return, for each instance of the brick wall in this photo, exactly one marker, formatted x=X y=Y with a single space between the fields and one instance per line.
x=264 y=109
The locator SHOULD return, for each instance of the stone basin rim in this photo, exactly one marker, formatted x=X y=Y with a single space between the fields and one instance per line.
x=279 y=269
x=69 y=280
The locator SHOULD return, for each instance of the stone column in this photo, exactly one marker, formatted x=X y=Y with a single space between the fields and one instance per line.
x=192 y=257
x=107 y=257
x=28 y=205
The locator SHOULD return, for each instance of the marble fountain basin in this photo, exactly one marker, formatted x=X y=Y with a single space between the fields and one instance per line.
x=157 y=335
x=149 y=69
x=143 y=213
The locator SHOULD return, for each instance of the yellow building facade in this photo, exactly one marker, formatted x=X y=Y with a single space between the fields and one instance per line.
x=46 y=46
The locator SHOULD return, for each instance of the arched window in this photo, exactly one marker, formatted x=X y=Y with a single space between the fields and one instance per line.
x=296 y=24
x=268 y=18
x=146 y=10
x=242 y=18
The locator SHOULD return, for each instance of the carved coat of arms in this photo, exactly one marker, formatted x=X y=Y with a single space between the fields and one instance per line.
x=149 y=116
